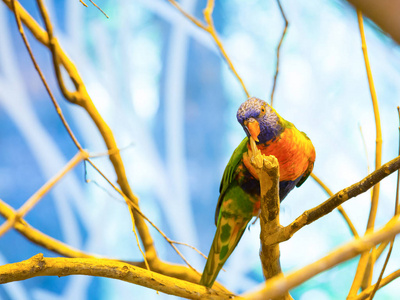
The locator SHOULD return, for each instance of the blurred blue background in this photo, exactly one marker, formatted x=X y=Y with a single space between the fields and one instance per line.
x=171 y=101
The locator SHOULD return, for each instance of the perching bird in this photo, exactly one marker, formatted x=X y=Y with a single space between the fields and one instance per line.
x=239 y=198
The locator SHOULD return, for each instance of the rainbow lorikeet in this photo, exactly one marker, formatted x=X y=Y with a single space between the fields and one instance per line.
x=239 y=198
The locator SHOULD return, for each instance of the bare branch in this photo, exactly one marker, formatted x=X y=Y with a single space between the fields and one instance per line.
x=83 y=99
x=279 y=285
x=396 y=213
x=36 y=197
x=187 y=15
x=340 y=208
x=367 y=292
x=360 y=278
x=46 y=266
x=91 y=1
x=278 y=50
x=38 y=237
x=333 y=202
x=57 y=107
x=211 y=30
x=267 y=168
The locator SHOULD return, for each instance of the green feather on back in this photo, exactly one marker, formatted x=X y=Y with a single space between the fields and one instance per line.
x=229 y=173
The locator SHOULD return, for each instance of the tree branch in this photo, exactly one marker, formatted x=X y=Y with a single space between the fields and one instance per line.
x=340 y=208
x=39 y=238
x=278 y=285
x=36 y=197
x=46 y=266
x=333 y=202
x=83 y=99
x=367 y=292
x=363 y=276
x=267 y=168
x=278 y=50
x=385 y=13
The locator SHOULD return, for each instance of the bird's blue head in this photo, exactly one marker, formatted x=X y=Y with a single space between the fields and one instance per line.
x=259 y=120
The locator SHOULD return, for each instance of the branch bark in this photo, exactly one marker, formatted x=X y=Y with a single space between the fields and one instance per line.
x=82 y=98
x=46 y=266
x=279 y=285
x=333 y=202
x=267 y=168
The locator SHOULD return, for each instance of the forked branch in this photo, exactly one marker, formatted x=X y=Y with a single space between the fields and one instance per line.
x=333 y=202
x=278 y=285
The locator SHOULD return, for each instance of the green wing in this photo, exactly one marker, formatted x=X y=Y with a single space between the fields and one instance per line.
x=229 y=173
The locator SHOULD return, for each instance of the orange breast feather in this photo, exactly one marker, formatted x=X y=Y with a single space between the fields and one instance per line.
x=294 y=152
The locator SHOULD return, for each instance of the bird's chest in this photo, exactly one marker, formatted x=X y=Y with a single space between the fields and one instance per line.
x=291 y=151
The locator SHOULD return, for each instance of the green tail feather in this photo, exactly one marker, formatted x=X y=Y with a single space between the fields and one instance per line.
x=229 y=231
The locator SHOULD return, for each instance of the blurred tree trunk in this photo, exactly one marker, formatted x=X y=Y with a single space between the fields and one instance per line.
x=385 y=13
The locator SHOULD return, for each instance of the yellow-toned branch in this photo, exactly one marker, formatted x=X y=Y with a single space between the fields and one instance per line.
x=278 y=51
x=363 y=275
x=340 y=208
x=39 y=238
x=82 y=98
x=36 y=197
x=135 y=208
x=41 y=266
x=277 y=286
x=333 y=202
x=57 y=107
x=98 y=7
x=396 y=213
x=210 y=28
x=367 y=292
x=267 y=168
x=378 y=154
x=187 y=15
x=47 y=242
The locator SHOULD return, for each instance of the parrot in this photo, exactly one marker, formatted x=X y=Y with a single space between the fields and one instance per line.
x=239 y=199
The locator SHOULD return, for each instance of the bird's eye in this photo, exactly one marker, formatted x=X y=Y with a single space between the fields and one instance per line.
x=263 y=110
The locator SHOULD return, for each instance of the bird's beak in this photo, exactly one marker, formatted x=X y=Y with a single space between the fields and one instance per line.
x=253 y=127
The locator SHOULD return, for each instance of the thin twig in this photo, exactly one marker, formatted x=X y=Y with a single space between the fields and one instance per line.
x=82 y=98
x=36 y=197
x=278 y=50
x=187 y=15
x=340 y=208
x=73 y=97
x=190 y=246
x=137 y=209
x=210 y=28
x=111 y=151
x=128 y=201
x=84 y=4
x=53 y=100
x=99 y=8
